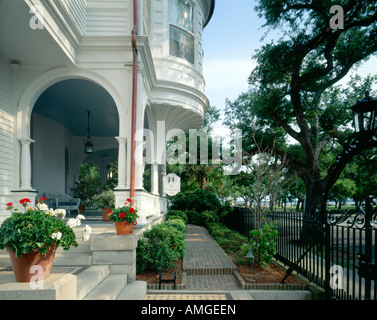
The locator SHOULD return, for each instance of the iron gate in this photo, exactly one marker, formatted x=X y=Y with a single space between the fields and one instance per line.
x=338 y=254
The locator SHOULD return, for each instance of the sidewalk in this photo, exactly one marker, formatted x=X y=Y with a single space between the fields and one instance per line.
x=209 y=271
x=210 y=275
x=206 y=265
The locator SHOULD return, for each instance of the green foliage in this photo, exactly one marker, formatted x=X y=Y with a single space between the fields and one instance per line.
x=263 y=243
x=179 y=224
x=160 y=247
x=343 y=189
x=230 y=241
x=90 y=181
x=292 y=95
x=198 y=200
x=33 y=230
x=125 y=213
x=177 y=214
x=105 y=199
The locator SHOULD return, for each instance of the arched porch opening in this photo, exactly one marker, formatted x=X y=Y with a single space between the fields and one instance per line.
x=59 y=129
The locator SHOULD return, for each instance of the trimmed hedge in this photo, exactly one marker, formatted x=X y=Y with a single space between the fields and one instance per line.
x=198 y=200
x=160 y=247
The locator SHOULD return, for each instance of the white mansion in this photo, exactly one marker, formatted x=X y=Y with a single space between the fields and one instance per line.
x=132 y=64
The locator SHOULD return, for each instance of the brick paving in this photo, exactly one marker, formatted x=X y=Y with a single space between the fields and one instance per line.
x=206 y=265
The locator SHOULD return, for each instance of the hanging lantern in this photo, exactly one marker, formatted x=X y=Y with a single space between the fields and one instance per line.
x=88 y=147
x=365 y=114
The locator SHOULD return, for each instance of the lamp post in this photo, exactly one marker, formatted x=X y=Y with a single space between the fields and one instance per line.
x=364 y=138
x=251 y=257
x=365 y=114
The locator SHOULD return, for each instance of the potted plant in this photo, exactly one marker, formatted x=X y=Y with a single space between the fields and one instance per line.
x=106 y=201
x=125 y=218
x=32 y=237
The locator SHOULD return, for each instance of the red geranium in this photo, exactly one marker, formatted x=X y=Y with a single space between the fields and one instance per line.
x=25 y=201
x=128 y=200
x=126 y=213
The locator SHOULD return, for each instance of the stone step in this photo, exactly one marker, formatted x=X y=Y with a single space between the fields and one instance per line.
x=134 y=291
x=109 y=288
x=4 y=259
x=83 y=247
x=90 y=278
x=210 y=270
x=72 y=259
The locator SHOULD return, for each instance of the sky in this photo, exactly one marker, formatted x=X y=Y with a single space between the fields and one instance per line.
x=229 y=41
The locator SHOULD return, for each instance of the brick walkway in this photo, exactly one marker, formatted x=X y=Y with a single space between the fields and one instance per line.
x=206 y=265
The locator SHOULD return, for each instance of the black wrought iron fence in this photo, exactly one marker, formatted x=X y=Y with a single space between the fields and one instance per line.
x=337 y=253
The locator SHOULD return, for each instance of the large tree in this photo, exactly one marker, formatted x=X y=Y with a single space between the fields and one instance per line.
x=293 y=89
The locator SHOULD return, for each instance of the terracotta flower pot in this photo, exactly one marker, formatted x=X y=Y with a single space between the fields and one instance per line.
x=106 y=214
x=124 y=228
x=22 y=266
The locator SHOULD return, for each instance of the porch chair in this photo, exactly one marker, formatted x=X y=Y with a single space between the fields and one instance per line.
x=63 y=201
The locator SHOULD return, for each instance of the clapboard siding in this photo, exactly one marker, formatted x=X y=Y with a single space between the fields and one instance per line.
x=77 y=12
x=108 y=18
x=7 y=128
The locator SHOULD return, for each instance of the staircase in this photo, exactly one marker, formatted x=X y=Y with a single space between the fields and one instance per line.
x=93 y=281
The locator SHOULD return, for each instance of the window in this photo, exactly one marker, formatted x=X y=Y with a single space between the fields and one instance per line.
x=181 y=19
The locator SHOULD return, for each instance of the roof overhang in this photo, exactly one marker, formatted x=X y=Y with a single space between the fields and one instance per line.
x=209 y=8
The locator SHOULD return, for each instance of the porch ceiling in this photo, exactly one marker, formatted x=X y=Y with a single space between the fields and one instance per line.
x=68 y=101
x=19 y=42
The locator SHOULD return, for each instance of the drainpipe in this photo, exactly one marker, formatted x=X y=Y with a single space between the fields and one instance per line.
x=134 y=97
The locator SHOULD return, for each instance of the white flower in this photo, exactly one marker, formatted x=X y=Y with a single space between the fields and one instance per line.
x=56 y=235
x=50 y=212
x=80 y=217
x=42 y=206
x=86 y=234
x=60 y=213
x=73 y=223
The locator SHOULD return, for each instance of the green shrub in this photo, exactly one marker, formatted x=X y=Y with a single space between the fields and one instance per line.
x=174 y=214
x=193 y=217
x=154 y=255
x=263 y=243
x=231 y=241
x=198 y=200
x=209 y=217
x=160 y=247
x=202 y=218
x=176 y=223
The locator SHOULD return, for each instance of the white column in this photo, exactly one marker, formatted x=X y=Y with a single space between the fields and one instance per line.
x=25 y=164
x=154 y=178
x=163 y=174
x=122 y=163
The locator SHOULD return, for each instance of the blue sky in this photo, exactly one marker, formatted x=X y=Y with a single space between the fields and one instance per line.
x=229 y=41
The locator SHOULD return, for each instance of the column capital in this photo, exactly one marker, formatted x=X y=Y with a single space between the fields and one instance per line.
x=121 y=139
x=26 y=140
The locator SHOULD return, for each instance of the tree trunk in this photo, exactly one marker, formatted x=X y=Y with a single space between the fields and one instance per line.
x=315 y=204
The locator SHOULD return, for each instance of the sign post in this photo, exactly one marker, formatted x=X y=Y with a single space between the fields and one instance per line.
x=172 y=184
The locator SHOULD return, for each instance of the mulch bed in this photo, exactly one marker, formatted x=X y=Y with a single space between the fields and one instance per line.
x=152 y=277
x=271 y=275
